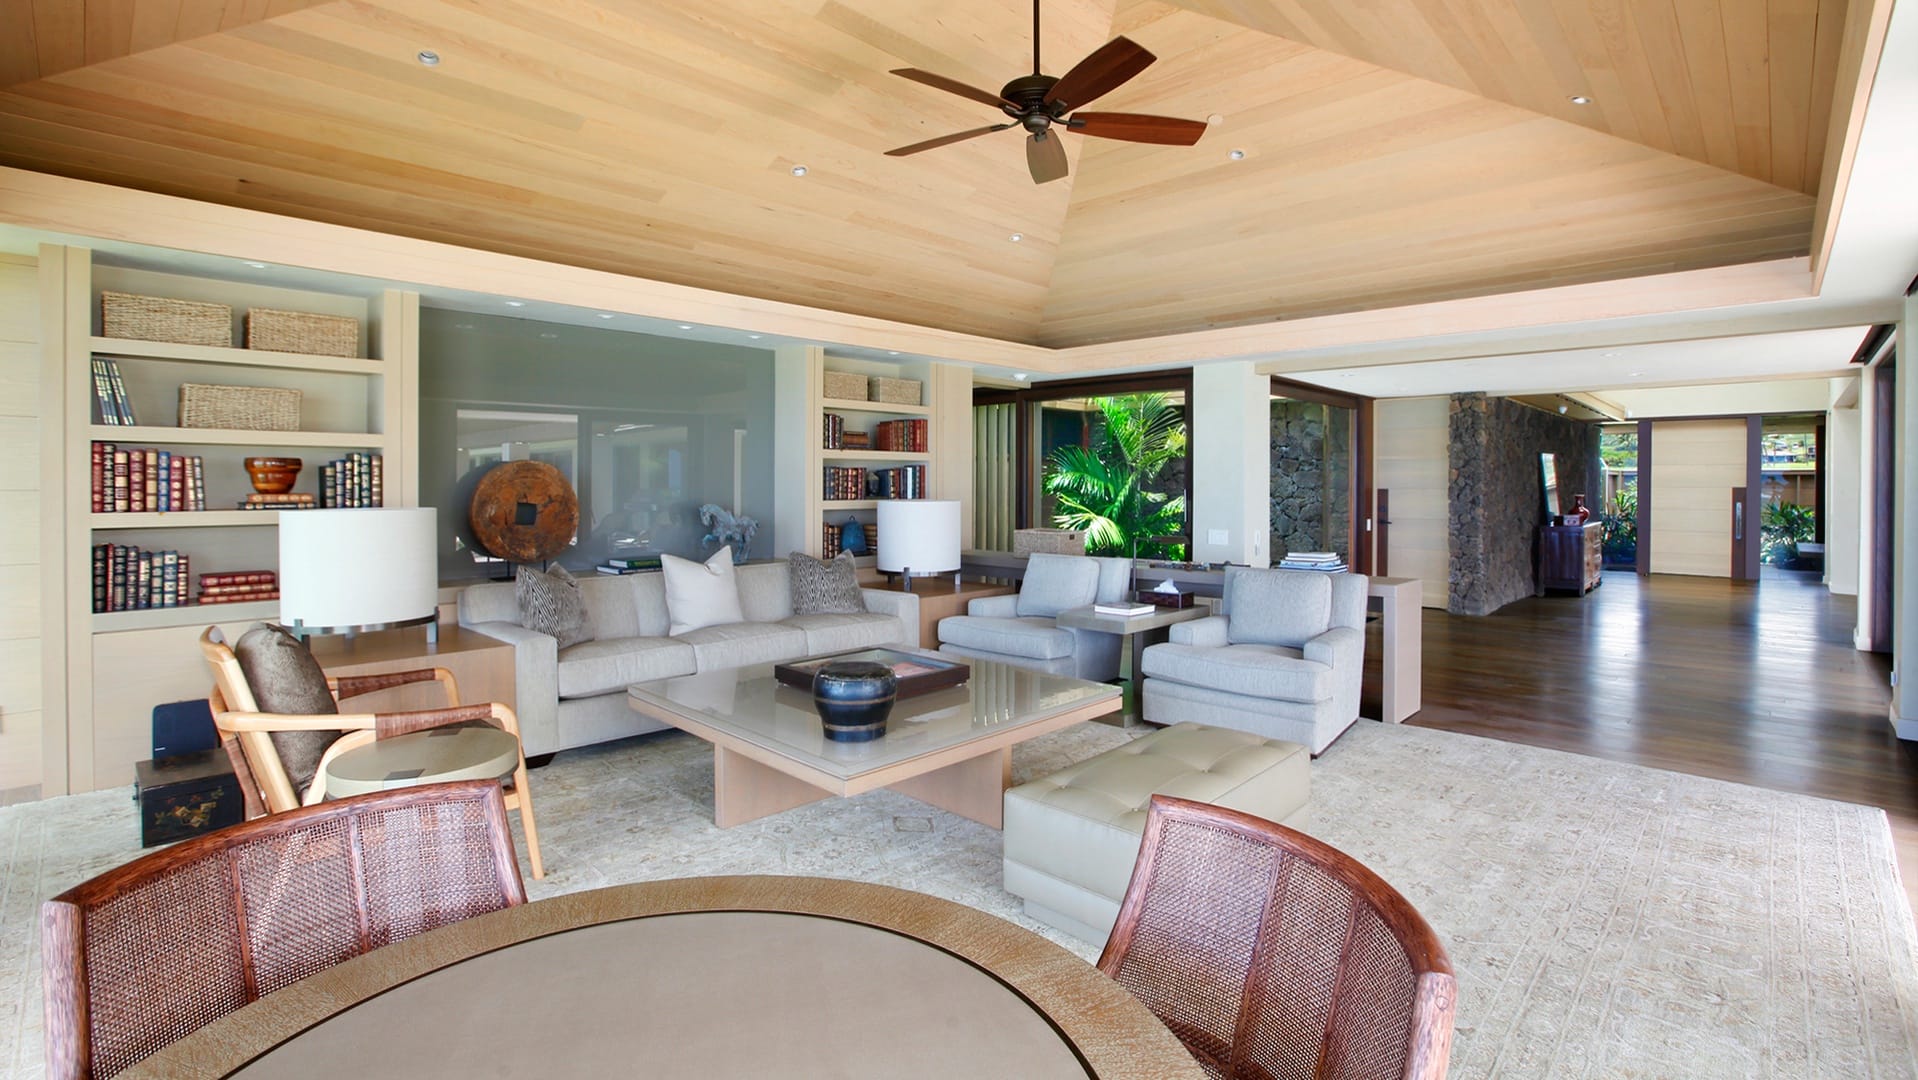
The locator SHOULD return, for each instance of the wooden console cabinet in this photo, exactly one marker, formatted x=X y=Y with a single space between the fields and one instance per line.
x=1570 y=557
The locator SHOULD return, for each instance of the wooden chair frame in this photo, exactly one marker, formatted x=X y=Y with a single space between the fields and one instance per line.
x=245 y=732
x=63 y=919
x=1436 y=993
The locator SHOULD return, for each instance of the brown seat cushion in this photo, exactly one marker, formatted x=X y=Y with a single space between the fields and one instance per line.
x=285 y=679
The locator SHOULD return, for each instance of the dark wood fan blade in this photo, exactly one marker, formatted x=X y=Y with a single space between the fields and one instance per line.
x=1046 y=157
x=946 y=140
x=1099 y=74
x=1138 y=127
x=950 y=86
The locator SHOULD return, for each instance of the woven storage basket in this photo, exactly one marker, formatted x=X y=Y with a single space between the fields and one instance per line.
x=845 y=386
x=155 y=318
x=301 y=332
x=245 y=408
x=895 y=391
x=1048 y=541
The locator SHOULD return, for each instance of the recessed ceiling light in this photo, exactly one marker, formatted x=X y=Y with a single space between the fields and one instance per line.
x=1237 y=155
x=1215 y=118
x=1016 y=237
x=1021 y=376
x=1637 y=374
x=516 y=303
x=605 y=314
x=1561 y=410
x=892 y=352
x=1581 y=99
x=257 y=265
x=550 y=336
x=429 y=58
x=755 y=337
x=685 y=326
x=799 y=170
x=1614 y=353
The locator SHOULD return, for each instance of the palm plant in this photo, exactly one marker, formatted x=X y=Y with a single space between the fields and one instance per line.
x=1107 y=487
x=1784 y=526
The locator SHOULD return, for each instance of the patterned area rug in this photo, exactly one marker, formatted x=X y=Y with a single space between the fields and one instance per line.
x=1605 y=920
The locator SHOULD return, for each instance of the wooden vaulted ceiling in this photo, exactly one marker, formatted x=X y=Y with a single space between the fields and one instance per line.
x=1396 y=151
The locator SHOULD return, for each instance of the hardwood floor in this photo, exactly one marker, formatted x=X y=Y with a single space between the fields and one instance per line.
x=1757 y=684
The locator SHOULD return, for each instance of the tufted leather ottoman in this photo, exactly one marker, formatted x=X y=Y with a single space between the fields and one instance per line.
x=1071 y=838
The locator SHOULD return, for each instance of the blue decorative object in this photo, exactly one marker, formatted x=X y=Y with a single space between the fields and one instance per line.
x=854 y=697
x=852 y=536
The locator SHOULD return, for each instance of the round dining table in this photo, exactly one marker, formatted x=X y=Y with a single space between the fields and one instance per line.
x=756 y=976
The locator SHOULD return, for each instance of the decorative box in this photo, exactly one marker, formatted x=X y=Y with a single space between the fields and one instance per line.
x=302 y=332
x=246 y=408
x=845 y=386
x=1048 y=541
x=895 y=391
x=186 y=795
x=156 y=318
x=1177 y=601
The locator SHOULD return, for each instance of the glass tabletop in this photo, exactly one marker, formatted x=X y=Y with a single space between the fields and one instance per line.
x=748 y=703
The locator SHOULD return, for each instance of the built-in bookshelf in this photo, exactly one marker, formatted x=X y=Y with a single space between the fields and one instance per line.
x=120 y=663
x=884 y=467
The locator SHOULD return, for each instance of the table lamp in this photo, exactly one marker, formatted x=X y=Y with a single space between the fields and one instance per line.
x=344 y=571
x=919 y=538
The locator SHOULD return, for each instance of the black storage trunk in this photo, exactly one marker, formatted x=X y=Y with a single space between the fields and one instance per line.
x=186 y=795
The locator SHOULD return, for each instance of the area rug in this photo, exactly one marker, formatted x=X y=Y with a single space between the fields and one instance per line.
x=1605 y=920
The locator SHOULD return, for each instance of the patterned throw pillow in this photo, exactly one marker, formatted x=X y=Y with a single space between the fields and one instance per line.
x=285 y=679
x=549 y=602
x=825 y=587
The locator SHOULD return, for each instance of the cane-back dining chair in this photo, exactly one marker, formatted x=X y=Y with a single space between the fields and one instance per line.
x=246 y=733
x=143 y=955
x=1273 y=955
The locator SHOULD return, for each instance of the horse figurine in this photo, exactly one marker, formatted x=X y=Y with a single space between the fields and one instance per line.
x=727 y=529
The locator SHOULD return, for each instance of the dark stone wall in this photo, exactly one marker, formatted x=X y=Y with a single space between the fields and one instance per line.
x=1311 y=468
x=1495 y=496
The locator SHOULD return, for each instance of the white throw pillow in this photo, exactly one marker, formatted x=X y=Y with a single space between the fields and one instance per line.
x=700 y=594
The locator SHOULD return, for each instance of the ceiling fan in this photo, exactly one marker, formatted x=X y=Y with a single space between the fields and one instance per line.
x=1038 y=104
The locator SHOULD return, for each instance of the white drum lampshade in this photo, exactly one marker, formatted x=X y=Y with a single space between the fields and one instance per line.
x=919 y=537
x=348 y=570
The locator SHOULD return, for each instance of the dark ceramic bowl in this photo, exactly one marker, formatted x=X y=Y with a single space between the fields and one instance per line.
x=854 y=697
x=272 y=475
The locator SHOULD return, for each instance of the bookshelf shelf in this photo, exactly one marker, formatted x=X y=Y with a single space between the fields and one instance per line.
x=880 y=408
x=874 y=455
x=141 y=434
x=210 y=354
x=184 y=519
x=184 y=615
x=849 y=504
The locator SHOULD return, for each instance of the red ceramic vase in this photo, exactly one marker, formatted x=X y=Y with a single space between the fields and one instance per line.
x=1579 y=510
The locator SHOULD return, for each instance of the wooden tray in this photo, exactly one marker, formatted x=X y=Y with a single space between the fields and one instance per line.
x=927 y=673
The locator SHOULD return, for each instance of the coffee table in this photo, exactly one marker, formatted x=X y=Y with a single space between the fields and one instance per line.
x=951 y=748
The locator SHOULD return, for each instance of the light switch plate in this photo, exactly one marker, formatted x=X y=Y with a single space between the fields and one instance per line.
x=1218 y=536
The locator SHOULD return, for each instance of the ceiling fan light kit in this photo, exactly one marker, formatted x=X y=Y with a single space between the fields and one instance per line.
x=1038 y=103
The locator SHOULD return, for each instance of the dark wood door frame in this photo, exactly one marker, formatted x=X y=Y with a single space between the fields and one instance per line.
x=1358 y=486
x=1384 y=543
x=1644 y=522
x=1750 y=503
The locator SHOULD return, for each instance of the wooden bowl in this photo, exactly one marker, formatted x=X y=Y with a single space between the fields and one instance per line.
x=272 y=475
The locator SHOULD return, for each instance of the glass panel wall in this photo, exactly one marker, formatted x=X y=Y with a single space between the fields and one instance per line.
x=1312 y=482
x=646 y=429
x=1116 y=467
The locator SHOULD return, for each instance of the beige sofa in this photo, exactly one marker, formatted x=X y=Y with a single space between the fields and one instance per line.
x=577 y=696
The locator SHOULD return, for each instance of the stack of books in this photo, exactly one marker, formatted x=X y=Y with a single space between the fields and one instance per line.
x=907 y=435
x=1324 y=561
x=239 y=587
x=844 y=482
x=630 y=564
x=126 y=578
x=356 y=480
x=854 y=440
x=291 y=500
x=1123 y=609
x=111 y=393
x=142 y=479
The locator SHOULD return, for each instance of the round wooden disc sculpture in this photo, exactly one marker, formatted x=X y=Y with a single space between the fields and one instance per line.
x=524 y=511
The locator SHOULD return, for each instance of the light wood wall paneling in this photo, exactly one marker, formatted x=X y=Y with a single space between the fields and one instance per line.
x=1412 y=459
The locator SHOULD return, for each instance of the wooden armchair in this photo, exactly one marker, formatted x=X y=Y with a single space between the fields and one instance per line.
x=245 y=732
x=156 y=949
x=1271 y=954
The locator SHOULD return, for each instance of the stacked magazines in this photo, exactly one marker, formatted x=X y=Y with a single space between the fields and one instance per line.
x=629 y=564
x=1324 y=561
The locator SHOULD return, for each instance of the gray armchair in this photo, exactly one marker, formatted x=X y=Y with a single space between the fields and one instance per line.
x=1021 y=629
x=1283 y=660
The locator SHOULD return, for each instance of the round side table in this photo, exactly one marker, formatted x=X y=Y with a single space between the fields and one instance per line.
x=476 y=752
